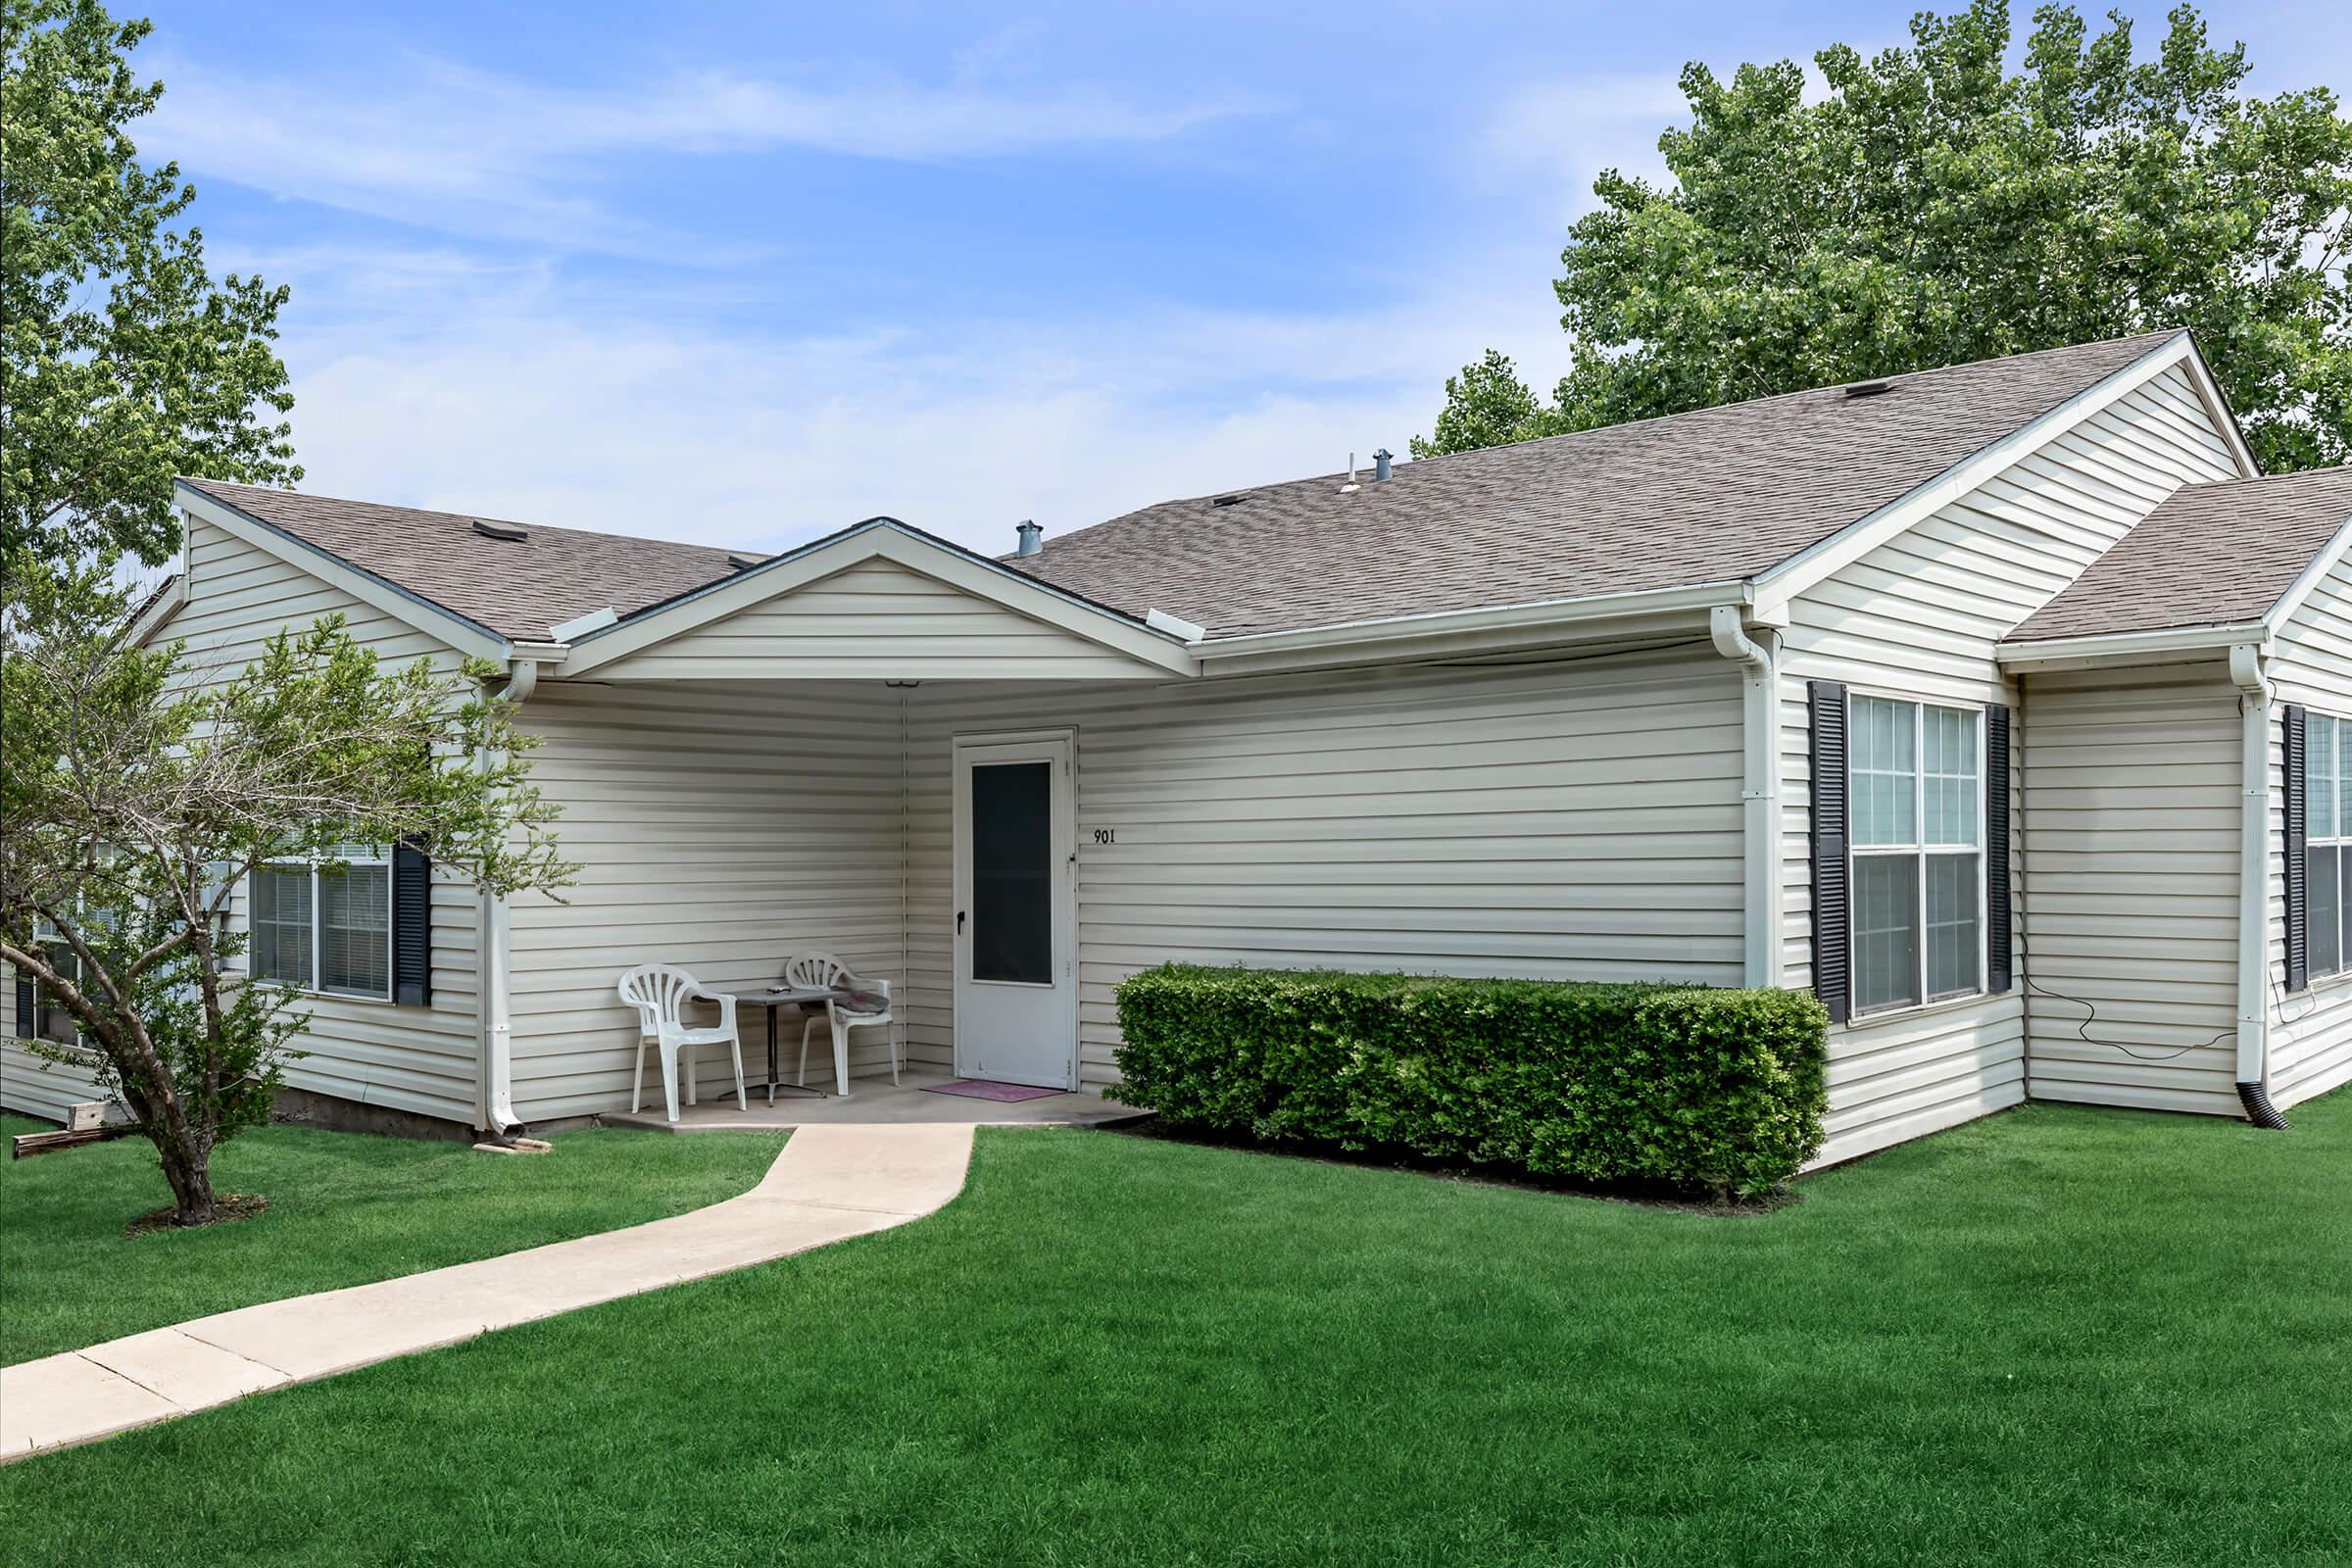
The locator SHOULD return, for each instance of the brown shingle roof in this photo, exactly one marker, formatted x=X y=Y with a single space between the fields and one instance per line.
x=1712 y=496
x=2212 y=555
x=518 y=588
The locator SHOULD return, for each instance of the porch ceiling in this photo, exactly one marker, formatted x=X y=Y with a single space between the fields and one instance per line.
x=885 y=602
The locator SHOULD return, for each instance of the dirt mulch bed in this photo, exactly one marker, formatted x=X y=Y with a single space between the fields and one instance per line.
x=227 y=1207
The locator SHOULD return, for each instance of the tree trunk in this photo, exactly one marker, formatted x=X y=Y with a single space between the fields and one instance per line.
x=189 y=1171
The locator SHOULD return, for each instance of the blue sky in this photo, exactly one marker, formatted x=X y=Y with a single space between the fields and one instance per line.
x=748 y=274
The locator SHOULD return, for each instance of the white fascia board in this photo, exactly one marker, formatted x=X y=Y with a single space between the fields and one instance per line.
x=2217 y=409
x=886 y=540
x=1501 y=626
x=2315 y=572
x=2166 y=646
x=157 y=610
x=382 y=593
x=1817 y=561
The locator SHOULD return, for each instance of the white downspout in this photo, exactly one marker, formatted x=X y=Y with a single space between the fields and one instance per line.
x=1760 y=788
x=497 y=1028
x=2255 y=694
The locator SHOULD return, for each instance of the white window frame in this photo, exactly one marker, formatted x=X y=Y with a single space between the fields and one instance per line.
x=2340 y=841
x=317 y=987
x=1920 y=851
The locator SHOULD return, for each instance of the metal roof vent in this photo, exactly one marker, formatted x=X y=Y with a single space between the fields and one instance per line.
x=743 y=562
x=498 y=530
x=1227 y=501
x=1380 y=465
x=1869 y=389
x=1033 y=538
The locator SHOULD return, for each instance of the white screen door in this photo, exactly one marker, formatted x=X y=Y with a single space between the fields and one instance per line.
x=1016 y=982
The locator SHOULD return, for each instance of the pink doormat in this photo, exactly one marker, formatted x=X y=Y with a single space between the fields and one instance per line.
x=983 y=1089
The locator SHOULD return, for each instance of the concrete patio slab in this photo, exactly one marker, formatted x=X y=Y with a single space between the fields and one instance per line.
x=829 y=1184
x=877 y=1101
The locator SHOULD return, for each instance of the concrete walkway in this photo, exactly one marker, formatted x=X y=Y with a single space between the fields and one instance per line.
x=829 y=1184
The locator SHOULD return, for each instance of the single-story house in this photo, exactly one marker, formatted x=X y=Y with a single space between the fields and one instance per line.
x=2006 y=706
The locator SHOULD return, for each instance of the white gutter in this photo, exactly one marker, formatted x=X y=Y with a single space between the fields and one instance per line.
x=2255 y=694
x=1383 y=632
x=498 y=1024
x=1760 y=788
x=2170 y=644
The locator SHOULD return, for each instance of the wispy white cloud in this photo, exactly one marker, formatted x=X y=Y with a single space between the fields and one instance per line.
x=519 y=403
x=468 y=151
x=1553 y=138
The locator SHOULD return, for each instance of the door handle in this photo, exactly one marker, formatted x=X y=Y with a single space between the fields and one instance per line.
x=960 y=922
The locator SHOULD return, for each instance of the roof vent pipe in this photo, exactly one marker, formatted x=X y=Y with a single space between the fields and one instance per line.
x=1380 y=464
x=1033 y=539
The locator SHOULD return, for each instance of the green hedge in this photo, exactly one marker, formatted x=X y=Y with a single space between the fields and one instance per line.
x=1699 y=1089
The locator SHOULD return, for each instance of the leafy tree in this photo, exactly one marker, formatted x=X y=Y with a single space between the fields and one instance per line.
x=1936 y=207
x=142 y=787
x=121 y=362
x=1485 y=405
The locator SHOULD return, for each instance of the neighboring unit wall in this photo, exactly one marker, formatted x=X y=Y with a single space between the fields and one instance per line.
x=720 y=828
x=28 y=1083
x=2132 y=796
x=1920 y=617
x=423 y=1060
x=1565 y=818
x=2311 y=1035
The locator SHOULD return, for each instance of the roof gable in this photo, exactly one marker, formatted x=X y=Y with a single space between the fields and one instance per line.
x=2212 y=555
x=879 y=601
x=515 y=588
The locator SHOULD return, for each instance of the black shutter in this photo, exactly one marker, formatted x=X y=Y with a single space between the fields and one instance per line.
x=27 y=1023
x=2000 y=960
x=2298 y=913
x=1832 y=959
x=412 y=926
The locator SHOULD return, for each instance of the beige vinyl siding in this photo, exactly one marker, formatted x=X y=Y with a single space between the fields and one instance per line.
x=1564 y=820
x=2310 y=1032
x=422 y=1060
x=1919 y=619
x=875 y=617
x=720 y=828
x=2132 y=789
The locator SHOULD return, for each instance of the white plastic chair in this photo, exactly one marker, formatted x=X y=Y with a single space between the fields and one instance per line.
x=821 y=971
x=660 y=994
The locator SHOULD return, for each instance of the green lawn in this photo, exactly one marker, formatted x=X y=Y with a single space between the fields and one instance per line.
x=344 y=1210
x=2057 y=1337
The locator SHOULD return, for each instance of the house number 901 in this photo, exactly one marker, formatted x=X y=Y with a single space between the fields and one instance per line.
x=1107 y=835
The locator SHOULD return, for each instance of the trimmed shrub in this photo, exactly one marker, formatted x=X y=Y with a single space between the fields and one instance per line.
x=1690 y=1087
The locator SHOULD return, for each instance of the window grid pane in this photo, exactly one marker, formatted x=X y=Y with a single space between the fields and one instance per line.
x=2343 y=778
x=2320 y=776
x=1883 y=772
x=1951 y=773
x=355 y=930
x=2321 y=908
x=1952 y=925
x=281 y=925
x=1886 y=931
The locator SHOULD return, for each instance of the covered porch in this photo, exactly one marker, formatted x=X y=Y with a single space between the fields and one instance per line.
x=869 y=751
